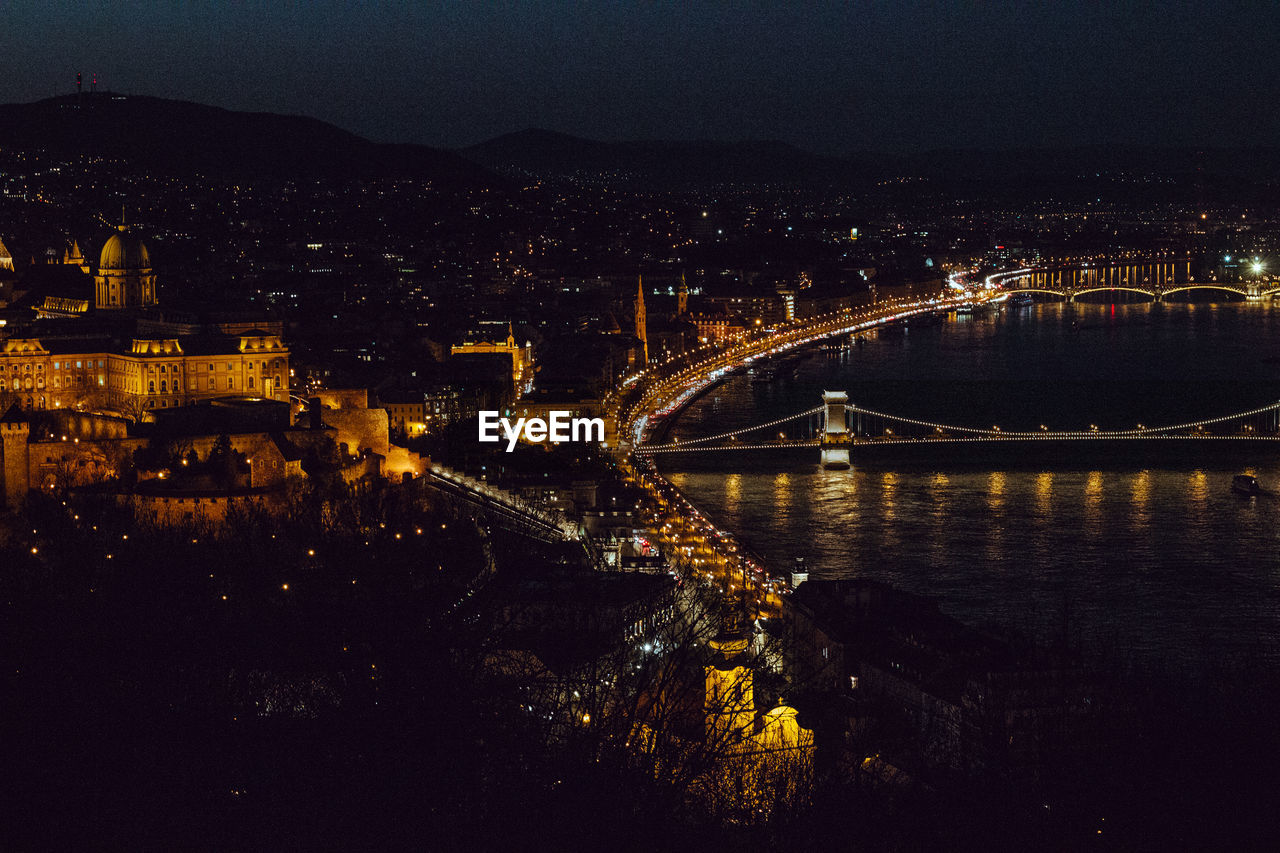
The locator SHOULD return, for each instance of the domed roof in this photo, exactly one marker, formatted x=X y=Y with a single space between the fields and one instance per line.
x=124 y=251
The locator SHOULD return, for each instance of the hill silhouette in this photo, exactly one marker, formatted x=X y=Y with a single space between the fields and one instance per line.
x=184 y=138
x=1139 y=172
x=180 y=137
x=661 y=164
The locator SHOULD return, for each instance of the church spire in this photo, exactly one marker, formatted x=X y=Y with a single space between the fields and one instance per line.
x=682 y=300
x=641 y=331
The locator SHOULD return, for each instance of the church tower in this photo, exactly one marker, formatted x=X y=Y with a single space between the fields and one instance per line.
x=125 y=279
x=641 y=333
x=682 y=300
x=72 y=256
x=730 y=700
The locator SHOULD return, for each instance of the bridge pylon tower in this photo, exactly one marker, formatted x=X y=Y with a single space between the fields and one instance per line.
x=835 y=431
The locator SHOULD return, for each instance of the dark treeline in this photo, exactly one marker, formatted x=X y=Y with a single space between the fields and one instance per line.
x=338 y=698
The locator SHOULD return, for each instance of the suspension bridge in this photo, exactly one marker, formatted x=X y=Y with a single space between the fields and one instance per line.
x=837 y=428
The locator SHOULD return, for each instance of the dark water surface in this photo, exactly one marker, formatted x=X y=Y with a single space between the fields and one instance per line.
x=1140 y=553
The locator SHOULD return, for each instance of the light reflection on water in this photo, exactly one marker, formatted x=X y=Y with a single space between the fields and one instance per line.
x=1153 y=560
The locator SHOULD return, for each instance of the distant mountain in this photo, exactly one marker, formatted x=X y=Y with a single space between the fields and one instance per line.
x=665 y=165
x=180 y=137
x=1141 y=171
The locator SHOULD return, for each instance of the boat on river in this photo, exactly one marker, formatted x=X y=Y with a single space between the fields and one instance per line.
x=764 y=375
x=1245 y=484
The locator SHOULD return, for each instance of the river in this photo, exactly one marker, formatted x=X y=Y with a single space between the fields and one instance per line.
x=1139 y=554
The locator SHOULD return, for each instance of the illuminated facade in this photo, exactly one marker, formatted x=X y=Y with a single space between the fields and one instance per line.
x=153 y=374
x=521 y=357
x=132 y=374
x=125 y=278
x=765 y=761
x=717 y=324
x=74 y=257
x=731 y=708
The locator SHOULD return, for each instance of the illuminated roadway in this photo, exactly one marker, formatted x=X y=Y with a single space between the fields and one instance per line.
x=663 y=388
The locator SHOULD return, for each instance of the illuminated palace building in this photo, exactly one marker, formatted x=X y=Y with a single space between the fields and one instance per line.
x=99 y=342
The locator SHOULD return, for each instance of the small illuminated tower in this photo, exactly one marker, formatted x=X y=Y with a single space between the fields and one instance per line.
x=125 y=279
x=641 y=333
x=72 y=256
x=730 y=698
x=682 y=300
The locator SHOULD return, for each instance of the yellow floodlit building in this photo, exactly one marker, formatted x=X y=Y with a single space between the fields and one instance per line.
x=521 y=357
x=117 y=368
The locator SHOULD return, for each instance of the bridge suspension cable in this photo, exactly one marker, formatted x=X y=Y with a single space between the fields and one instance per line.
x=858 y=410
x=1272 y=407
x=731 y=433
x=1095 y=433
x=667 y=448
x=957 y=434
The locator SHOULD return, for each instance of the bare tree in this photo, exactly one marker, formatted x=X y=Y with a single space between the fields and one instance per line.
x=646 y=705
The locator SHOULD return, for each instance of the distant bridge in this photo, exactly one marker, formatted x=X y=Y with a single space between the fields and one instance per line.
x=1156 y=279
x=839 y=429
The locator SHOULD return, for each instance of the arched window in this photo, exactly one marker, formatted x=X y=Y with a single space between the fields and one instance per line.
x=164 y=386
x=151 y=387
x=251 y=382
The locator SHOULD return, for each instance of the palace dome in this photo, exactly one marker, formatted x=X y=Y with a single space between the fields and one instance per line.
x=124 y=251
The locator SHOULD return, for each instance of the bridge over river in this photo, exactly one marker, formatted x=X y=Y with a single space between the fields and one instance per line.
x=839 y=429
x=1157 y=279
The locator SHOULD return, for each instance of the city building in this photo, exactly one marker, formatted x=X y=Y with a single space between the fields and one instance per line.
x=521 y=358
x=730 y=705
x=119 y=358
x=962 y=699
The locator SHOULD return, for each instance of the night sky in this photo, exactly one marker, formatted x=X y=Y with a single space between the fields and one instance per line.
x=830 y=77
